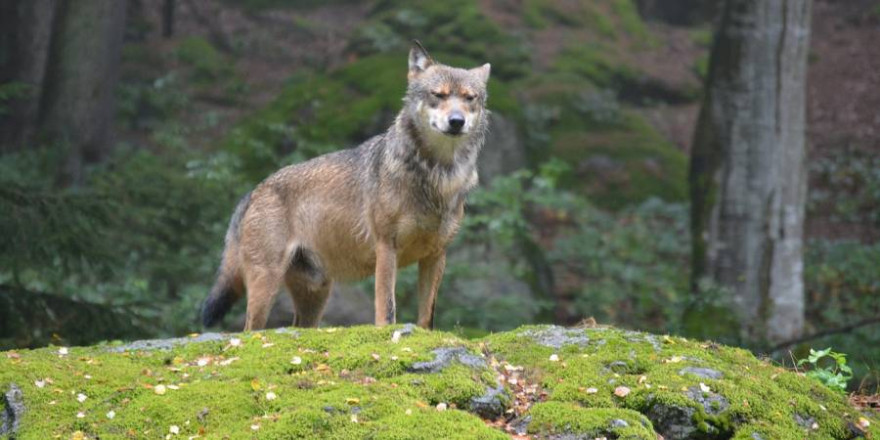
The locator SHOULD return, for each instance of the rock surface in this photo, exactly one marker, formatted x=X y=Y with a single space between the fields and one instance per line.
x=12 y=410
x=401 y=381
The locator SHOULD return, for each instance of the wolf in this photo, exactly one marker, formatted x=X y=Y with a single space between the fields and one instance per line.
x=395 y=200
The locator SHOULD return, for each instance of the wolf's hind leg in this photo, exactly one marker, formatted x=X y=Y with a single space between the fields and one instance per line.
x=308 y=301
x=308 y=286
x=262 y=287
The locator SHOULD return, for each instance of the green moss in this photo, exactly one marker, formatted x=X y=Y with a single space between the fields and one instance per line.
x=208 y=64
x=766 y=396
x=356 y=372
x=637 y=163
x=558 y=417
x=354 y=383
x=456 y=27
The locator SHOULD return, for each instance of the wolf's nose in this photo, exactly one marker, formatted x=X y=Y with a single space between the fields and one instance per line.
x=456 y=122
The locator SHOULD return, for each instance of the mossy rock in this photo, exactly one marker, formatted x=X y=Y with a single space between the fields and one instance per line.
x=367 y=382
x=623 y=164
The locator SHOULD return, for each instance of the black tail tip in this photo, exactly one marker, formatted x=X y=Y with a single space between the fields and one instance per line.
x=216 y=307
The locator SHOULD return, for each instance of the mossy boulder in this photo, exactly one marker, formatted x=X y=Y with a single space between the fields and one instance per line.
x=404 y=382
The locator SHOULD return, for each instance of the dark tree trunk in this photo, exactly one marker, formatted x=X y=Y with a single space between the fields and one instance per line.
x=747 y=175
x=168 y=18
x=77 y=102
x=25 y=33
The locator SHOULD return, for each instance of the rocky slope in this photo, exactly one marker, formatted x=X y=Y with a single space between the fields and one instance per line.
x=403 y=382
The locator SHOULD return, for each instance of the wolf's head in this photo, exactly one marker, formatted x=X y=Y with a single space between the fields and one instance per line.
x=447 y=103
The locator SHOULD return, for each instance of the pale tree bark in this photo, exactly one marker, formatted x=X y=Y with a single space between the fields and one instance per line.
x=25 y=33
x=77 y=102
x=748 y=176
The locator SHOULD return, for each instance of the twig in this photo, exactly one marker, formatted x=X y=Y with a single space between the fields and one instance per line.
x=822 y=334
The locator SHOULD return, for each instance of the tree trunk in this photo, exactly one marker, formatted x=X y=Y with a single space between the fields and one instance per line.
x=77 y=102
x=168 y=18
x=747 y=175
x=25 y=32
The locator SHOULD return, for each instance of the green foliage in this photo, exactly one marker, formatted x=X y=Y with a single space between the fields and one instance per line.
x=453 y=27
x=208 y=64
x=848 y=187
x=144 y=232
x=260 y=5
x=148 y=104
x=835 y=374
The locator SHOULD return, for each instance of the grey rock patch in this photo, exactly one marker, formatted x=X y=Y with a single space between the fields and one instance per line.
x=406 y=330
x=521 y=425
x=12 y=411
x=443 y=357
x=637 y=337
x=619 y=367
x=167 y=344
x=490 y=405
x=705 y=373
x=619 y=423
x=805 y=422
x=504 y=151
x=755 y=436
x=556 y=337
x=287 y=331
x=713 y=404
x=672 y=421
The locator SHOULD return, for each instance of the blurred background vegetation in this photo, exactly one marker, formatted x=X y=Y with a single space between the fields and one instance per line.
x=582 y=211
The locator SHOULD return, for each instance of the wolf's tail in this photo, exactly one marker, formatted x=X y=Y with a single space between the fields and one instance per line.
x=228 y=287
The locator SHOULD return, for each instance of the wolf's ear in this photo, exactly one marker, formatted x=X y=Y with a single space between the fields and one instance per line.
x=482 y=72
x=419 y=60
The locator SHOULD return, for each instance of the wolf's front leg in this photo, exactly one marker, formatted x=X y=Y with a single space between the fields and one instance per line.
x=430 y=273
x=386 y=275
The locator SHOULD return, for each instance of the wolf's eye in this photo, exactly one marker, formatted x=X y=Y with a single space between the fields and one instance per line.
x=440 y=95
x=470 y=97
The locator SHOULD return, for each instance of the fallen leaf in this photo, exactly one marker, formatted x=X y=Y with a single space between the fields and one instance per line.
x=159 y=389
x=592 y=390
x=174 y=429
x=40 y=383
x=81 y=397
x=554 y=357
x=441 y=406
x=63 y=351
x=255 y=427
x=255 y=384
x=864 y=423
x=296 y=360
x=704 y=388
x=111 y=414
x=352 y=401
x=78 y=435
x=621 y=391
x=395 y=337
x=375 y=356
x=80 y=415
x=271 y=396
